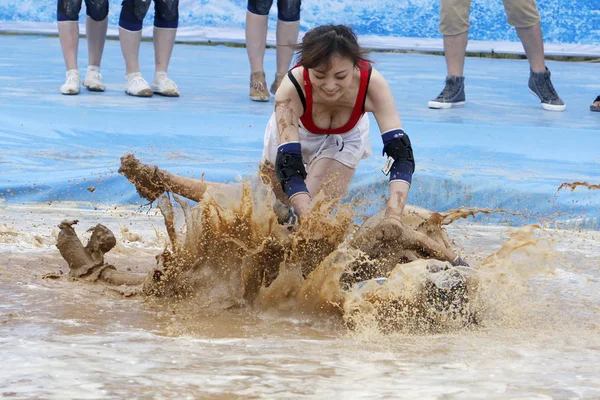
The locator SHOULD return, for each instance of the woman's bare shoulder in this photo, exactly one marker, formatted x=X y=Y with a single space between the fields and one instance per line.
x=378 y=92
x=377 y=81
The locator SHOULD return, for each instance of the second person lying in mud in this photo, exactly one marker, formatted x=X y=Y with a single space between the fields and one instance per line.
x=237 y=255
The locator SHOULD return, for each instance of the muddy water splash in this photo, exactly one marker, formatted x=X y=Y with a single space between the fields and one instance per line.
x=229 y=251
x=237 y=244
x=574 y=185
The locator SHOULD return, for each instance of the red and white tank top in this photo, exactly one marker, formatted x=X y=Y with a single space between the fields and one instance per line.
x=307 y=102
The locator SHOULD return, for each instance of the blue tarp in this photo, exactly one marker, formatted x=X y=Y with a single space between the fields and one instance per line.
x=500 y=151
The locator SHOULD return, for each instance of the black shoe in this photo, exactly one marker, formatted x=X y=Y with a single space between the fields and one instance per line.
x=453 y=94
x=541 y=86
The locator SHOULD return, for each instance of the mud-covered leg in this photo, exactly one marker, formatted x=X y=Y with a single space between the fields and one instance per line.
x=150 y=181
x=72 y=250
x=391 y=238
x=88 y=262
x=118 y=278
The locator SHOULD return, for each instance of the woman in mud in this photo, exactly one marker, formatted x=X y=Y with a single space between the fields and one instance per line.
x=318 y=134
x=319 y=130
x=313 y=144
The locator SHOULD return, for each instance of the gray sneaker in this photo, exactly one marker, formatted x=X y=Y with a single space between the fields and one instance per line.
x=595 y=107
x=453 y=94
x=541 y=86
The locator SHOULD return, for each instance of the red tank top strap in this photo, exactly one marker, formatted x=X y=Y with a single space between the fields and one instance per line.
x=357 y=112
x=306 y=118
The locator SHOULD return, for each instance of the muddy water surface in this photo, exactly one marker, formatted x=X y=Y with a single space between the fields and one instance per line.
x=59 y=338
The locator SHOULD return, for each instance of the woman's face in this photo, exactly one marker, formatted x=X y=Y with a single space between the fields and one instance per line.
x=331 y=83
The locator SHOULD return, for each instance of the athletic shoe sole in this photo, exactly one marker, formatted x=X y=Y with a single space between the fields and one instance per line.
x=142 y=93
x=94 y=88
x=549 y=107
x=167 y=94
x=436 y=105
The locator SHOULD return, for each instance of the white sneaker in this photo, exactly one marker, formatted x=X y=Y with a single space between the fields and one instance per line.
x=164 y=86
x=137 y=85
x=93 y=79
x=72 y=83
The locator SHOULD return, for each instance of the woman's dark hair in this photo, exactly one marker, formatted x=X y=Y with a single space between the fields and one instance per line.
x=323 y=42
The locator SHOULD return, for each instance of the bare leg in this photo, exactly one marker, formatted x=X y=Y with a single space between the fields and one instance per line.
x=335 y=175
x=256 y=40
x=151 y=182
x=455 y=47
x=190 y=188
x=391 y=238
x=80 y=260
x=327 y=174
x=88 y=262
x=118 y=278
x=68 y=33
x=96 y=37
x=287 y=37
x=164 y=41
x=130 y=47
x=533 y=44
x=418 y=241
x=331 y=176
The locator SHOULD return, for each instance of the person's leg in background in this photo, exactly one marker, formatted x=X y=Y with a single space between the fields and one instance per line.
x=288 y=26
x=257 y=18
x=95 y=27
x=130 y=36
x=67 y=15
x=454 y=25
x=166 y=20
x=524 y=16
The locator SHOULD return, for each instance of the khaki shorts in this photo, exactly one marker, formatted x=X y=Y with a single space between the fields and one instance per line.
x=348 y=148
x=454 y=15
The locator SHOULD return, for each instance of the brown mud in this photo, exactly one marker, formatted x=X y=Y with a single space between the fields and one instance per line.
x=574 y=185
x=230 y=251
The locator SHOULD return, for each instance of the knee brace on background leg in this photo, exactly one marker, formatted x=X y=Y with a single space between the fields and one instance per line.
x=166 y=13
x=132 y=14
x=260 y=7
x=288 y=10
x=68 y=10
x=96 y=9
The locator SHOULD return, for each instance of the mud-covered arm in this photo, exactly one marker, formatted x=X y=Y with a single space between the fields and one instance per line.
x=396 y=143
x=289 y=166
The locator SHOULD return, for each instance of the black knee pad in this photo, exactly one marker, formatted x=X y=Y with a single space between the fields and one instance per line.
x=166 y=13
x=288 y=10
x=260 y=7
x=96 y=9
x=133 y=13
x=68 y=10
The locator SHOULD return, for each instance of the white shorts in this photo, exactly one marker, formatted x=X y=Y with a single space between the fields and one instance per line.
x=348 y=148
